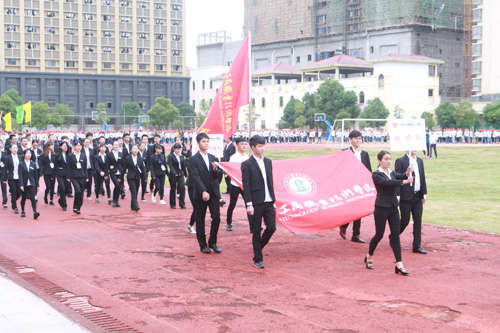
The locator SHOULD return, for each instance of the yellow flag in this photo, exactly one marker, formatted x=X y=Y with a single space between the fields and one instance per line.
x=8 y=123
x=27 y=112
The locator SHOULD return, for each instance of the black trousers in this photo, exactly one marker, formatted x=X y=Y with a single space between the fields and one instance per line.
x=116 y=179
x=29 y=193
x=414 y=207
x=192 y=220
x=3 y=185
x=62 y=191
x=79 y=186
x=88 y=183
x=356 y=228
x=160 y=186
x=122 y=185
x=50 y=184
x=15 y=192
x=151 y=186
x=433 y=146
x=177 y=185
x=267 y=212
x=200 y=208
x=144 y=185
x=234 y=193
x=382 y=215
x=69 y=189
x=99 y=182
x=228 y=183
x=133 y=185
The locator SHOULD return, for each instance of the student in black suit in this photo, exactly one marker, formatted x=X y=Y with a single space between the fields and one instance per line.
x=127 y=145
x=47 y=167
x=78 y=174
x=134 y=166
x=116 y=172
x=3 y=178
x=36 y=152
x=386 y=208
x=144 y=155
x=258 y=192
x=89 y=155
x=177 y=172
x=356 y=139
x=159 y=168
x=229 y=150
x=62 y=174
x=412 y=196
x=12 y=162
x=28 y=183
x=190 y=187
x=205 y=177
x=101 y=164
x=151 y=152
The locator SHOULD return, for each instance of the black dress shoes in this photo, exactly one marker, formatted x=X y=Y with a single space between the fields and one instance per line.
x=229 y=227
x=76 y=211
x=23 y=214
x=356 y=239
x=35 y=215
x=46 y=201
x=205 y=250
x=63 y=208
x=259 y=264
x=369 y=263
x=215 y=248
x=51 y=203
x=419 y=250
x=183 y=206
x=16 y=211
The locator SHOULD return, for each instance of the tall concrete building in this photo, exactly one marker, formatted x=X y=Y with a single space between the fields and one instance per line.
x=301 y=32
x=485 y=50
x=84 y=52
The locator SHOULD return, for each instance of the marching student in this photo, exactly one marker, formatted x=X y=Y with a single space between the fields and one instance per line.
x=190 y=187
x=386 y=208
x=47 y=168
x=205 y=177
x=12 y=162
x=144 y=156
x=36 y=152
x=234 y=190
x=134 y=167
x=89 y=155
x=115 y=163
x=158 y=167
x=3 y=173
x=356 y=139
x=412 y=196
x=101 y=163
x=150 y=153
x=177 y=171
x=78 y=175
x=28 y=183
x=62 y=174
x=258 y=192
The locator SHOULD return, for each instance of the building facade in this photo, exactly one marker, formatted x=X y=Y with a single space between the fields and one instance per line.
x=77 y=52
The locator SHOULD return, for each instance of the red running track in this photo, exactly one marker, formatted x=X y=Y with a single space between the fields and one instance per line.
x=113 y=270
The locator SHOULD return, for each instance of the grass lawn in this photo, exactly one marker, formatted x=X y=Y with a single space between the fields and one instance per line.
x=463 y=184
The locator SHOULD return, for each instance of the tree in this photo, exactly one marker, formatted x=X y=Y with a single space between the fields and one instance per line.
x=40 y=115
x=102 y=116
x=491 y=115
x=7 y=105
x=14 y=95
x=130 y=111
x=375 y=109
x=186 y=110
x=310 y=108
x=300 y=121
x=178 y=124
x=333 y=99
x=162 y=113
x=204 y=108
x=288 y=118
x=63 y=111
x=430 y=123
x=445 y=114
x=465 y=115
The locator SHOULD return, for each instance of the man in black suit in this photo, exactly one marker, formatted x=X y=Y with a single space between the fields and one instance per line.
x=127 y=145
x=177 y=172
x=355 y=138
x=151 y=152
x=134 y=167
x=229 y=150
x=12 y=162
x=89 y=154
x=412 y=196
x=3 y=177
x=205 y=177
x=77 y=163
x=258 y=192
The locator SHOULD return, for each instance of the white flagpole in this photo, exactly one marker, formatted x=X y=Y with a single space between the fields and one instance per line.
x=249 y=84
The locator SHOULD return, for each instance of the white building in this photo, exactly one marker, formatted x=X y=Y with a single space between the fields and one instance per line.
x=407 y=83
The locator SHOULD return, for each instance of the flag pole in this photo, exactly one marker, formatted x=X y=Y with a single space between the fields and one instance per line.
x=249 y=84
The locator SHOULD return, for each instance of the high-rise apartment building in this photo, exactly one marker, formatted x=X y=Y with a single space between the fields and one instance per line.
x=83 y=52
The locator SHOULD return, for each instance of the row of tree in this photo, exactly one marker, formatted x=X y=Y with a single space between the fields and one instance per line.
x=462 y=115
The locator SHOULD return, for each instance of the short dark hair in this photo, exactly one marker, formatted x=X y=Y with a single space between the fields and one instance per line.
x=78 y=142
x=125 y=134
x=89 y=134
x=239 y=139
x=157 y=146
x=157 y=136
x=354 y=134
x=145 y=135
x=381 y=154
x=177 y=146
x=26 y=151
x=201 y=136
x=64 y=137
x=257 y=140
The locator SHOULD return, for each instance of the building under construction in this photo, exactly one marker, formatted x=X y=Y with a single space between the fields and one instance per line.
x=299 y=32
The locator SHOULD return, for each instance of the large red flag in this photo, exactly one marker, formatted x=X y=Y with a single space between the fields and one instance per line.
x=318 y=193
x=233 y=94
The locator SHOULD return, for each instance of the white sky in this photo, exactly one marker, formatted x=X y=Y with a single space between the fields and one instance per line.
x=209 y=16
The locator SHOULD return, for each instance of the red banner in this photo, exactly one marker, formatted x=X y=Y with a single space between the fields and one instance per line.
x=318 y=193
x=233 y=94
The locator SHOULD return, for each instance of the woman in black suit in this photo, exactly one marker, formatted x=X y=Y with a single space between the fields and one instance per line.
x=62 y=174
x=134 y=167
x=79 y=174
x=101 y=163
x=158 y=167
x=47 y=167
x=28 y=182
x=116 y=172
x=386 y=208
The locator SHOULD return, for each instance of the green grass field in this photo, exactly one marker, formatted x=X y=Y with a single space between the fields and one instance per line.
x=463 y=184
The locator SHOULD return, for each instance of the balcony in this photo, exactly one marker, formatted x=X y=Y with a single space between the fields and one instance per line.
x=107 y=25
x=50 y=5
x=32 y=54
x=144 y=12
x=108 y=42
x=161 y=44
x=160 y=59
x=32 y=20
x=31 y=37
x=11 y=19
x=126 y=57
x=125 y=42
x=70 y=39
x=176 y=60
x=176 y=15
x=125 y=11
x=108 y=10
x=12 y=36
x=12 y=53
x=126 y=26
x=160 y=13
x=68 y=55
x=143 y=27
x=176 y=45
x=144 y=59
x=50 y=38
x=176 y=29
x=89 y=40
x=161 y=28
x=51 y=22
x=70 y=7
x=51 y=54
x=89 y=56
x=143 y=43
x=92 y=25
x=90 y=9
x=71 y=23
x=107 y=57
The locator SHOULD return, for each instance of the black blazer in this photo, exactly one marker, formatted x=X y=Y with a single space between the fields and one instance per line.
x=155 y=164
x=133 y=171
x=44 y=162
x=90 y=157
x=203 y=179
x=62 y=168
x=9 y=165
x=100 y=165
x=253 y=181
x=126 y=151
x=387 y=188
x=229 y=150
x=173 y=165
x=73 y=163
x=2 y=165
x=35 y=155
x=407 y=192
x=25 y=174
x=115 y=165
x=365 y=158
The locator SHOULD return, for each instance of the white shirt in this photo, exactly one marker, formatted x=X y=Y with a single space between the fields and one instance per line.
x=27 y=168
x=15 y=161
x=260 y=162
x=87 y=153
x=357 y=153
x=237 y=157
x=388 y=173
x=178 y=157
x=205 y=158
x=416 y=179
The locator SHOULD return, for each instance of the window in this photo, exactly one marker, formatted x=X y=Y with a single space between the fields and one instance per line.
x=476 y=84
x=89 y=104
x=107 y=18
x=361 y=98
x=107 y=65
x=30 y=28
x=194 y=104
x=125 y=19
x=175 y=22
x=125 y=34
x=125 y=66
x=89 y=1
x=176 y=52
x=51 y=47
x=32 y=12
x=159 y=52
x=70 y=47
x=89 y=33
x=89 y=64
x=51 y=30
x=381 y=81
x=203 y=85
x=11 y=61
x=159 y=36
x=51 y=13
x=159 y=6
x=476 y=67
x=372 y=49
x=70 y=32
x=89 y=17
x=124 y=3
x=109 y=105
x=309 y=57
x=142 y=20
x=107 y=84
x=107 y=34
x=51 y=63
x=281 y=101
x=31 y=84
x=143 y=51
x=476 y=50
x=263 y=103
x=31 y=46
x=194 y=86
x=89 y=48
x=31 y=62
x=176 y=7
x=142 y=36
x=297 y=60
x=10 y=11
x=69 y=15
x=430 y=92
x=432 y=70
x=11 y=45
x=142 y=5
x=70 y=64
x=211 y=84
x=176 y=37
x=11 y=28
x=159 y=67
x=143 y=67
x=107 y=49
x=125 y=50
x=106 y=2
x=159 y=21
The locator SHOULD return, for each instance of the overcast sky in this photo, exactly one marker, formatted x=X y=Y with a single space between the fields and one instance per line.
x=209 y=16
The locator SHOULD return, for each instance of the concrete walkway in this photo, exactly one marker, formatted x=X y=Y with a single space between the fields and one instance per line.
x=22 y=311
